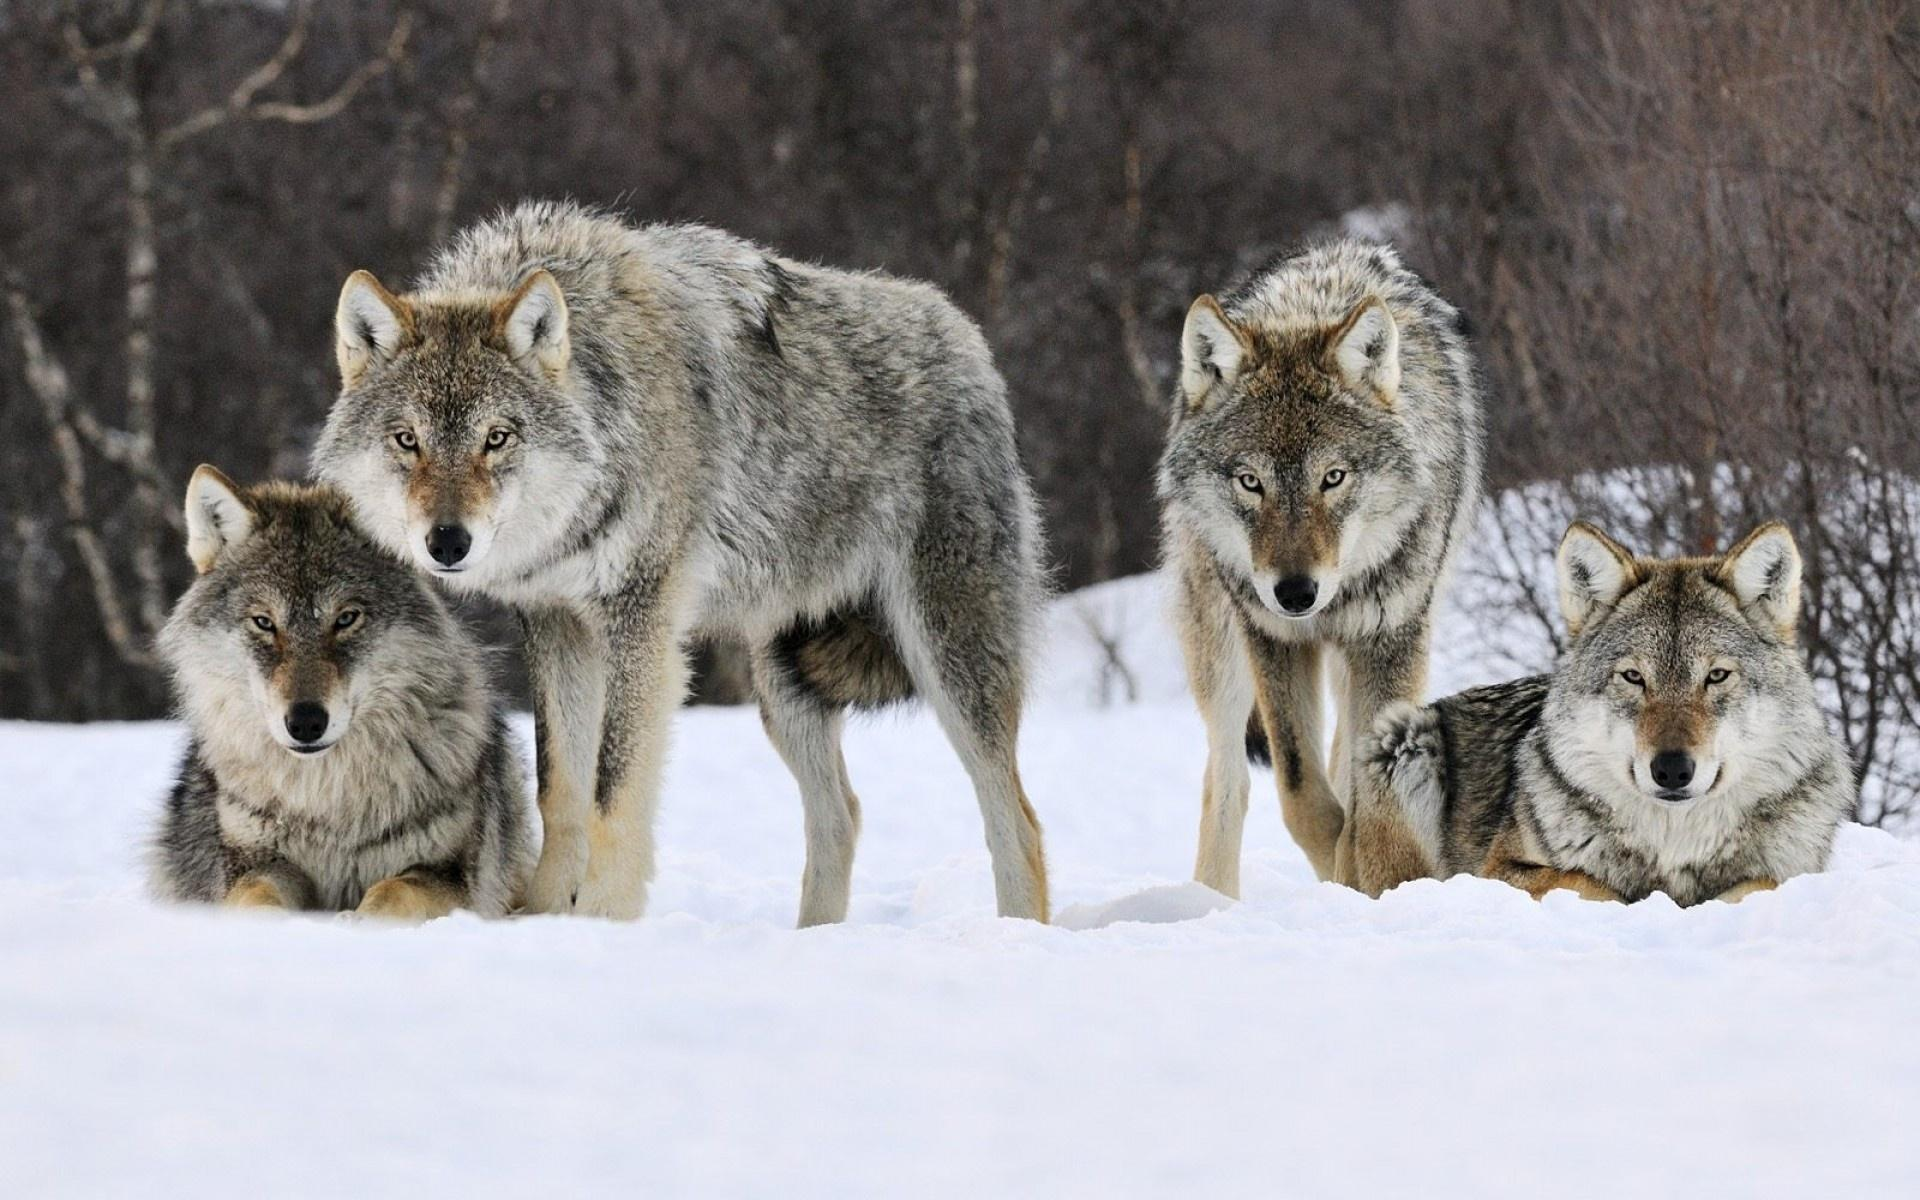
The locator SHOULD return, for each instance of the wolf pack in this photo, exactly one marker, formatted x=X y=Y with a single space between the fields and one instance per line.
x=636 y=436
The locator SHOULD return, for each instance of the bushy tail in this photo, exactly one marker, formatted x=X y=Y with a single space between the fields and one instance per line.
x=1406 y=756
x=846 y=659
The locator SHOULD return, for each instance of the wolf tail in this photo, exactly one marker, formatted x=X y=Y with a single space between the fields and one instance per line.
x=1407 y=756
x=846 y=659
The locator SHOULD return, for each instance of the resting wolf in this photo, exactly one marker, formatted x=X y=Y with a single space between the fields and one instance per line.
x=346 y=752
x=637 y=434
x=1322 y=469
x=1676 y=748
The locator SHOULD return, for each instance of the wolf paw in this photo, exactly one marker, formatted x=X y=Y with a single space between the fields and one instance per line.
x=558 y=875
x=612 y=895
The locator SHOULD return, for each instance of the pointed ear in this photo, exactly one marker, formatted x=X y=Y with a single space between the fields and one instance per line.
x=1212 y=351
x=533 y=320
x=1365 y=350
x=369 y=324
x=1763 y=570
x=1595 y=571
x=218 y=518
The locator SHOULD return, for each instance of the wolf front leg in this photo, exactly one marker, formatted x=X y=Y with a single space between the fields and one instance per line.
x=567 y=667
x=415 y=895
x=275 y=883
x=1222 y=683
x=1286 y=683
x=1379 y=850
x=645 y=682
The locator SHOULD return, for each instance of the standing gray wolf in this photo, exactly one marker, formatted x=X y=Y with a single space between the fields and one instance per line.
x=1322 y=468
x=1676 y=748
x=346 y=752
x=634 y=435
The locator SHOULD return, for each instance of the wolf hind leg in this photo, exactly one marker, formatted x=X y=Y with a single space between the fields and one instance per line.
x=960 y=637
x=805 y=729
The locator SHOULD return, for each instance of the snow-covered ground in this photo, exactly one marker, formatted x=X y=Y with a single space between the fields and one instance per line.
x=1449 y=1039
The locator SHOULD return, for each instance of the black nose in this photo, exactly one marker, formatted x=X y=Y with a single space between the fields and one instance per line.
x=449 y=544
x=1672 y=769
x=307 y=721
x=1296 y=593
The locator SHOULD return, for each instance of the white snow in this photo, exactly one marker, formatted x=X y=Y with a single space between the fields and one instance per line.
x=1449 y=1039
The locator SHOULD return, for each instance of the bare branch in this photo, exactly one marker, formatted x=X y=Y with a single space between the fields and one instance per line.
x=240 y=104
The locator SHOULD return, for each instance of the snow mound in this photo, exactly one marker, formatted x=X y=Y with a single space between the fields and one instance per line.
x=1155 y=906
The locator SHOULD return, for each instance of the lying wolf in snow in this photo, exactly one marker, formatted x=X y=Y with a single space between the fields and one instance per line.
x=1676 y=748
x=346 y=752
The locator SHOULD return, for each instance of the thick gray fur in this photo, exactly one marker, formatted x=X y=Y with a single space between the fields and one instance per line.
x=1532 y=781
x=725 y=441
x=425 y=780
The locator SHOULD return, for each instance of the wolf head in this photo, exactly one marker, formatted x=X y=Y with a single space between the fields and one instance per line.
x=450 y=406
x=297 y=621
x=1287 y=455
x=1682 y=679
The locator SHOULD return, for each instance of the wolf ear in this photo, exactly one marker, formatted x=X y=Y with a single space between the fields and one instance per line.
x=217 y=518
x=368 y=323
x=1365 y=349
x=533 y=320
x=1763 y=570
x=1212 y=351
x=1595 y=571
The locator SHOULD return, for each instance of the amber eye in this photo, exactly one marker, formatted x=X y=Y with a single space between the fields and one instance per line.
x=1719 y=675
x=1249 y=481
x=1634 y=677
x=347 y=619
x=406 y=441
x=1333 y=479
x=263 y=623
x=498 y=438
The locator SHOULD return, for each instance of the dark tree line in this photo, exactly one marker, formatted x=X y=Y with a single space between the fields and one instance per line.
x=1685 y=232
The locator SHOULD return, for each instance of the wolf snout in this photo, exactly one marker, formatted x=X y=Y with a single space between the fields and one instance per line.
x=307 y=722
x=448 y=544
x=1672 y=770
x=1296 y=593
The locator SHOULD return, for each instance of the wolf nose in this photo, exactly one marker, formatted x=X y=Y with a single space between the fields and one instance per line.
x=1296 y=593
x=1672 y=769
x=307 y=721
x=449 y=544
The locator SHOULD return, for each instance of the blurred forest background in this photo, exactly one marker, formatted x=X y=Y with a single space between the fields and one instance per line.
x=1685 y=233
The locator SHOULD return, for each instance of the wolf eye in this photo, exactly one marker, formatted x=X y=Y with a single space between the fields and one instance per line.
x=262 y=623
x=1333 y=479
x=346 y=619
x=498 y=438
x=1249 y=481
x=406 y=441
x=1634 y=677
x=1719 y=675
